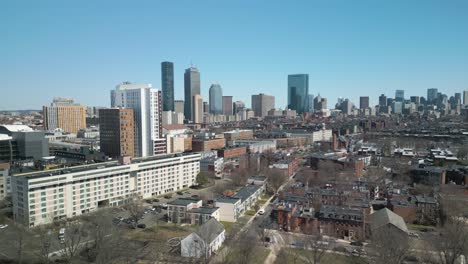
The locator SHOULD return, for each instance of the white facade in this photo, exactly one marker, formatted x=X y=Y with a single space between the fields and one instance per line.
x=193 y=246
x=229 y=209
x=41 y=197
x=322 y=135
x=147 y=108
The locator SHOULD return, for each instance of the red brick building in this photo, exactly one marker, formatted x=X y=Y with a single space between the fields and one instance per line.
x=232 y=152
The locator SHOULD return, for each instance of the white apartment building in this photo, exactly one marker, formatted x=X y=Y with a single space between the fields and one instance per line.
x=41 y=197
x=147 y=108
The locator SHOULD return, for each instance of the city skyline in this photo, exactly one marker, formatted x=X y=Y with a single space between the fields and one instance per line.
x=50 y=54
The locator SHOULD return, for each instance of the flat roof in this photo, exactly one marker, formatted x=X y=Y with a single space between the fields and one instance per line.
x=102 y=165
x=183 y=201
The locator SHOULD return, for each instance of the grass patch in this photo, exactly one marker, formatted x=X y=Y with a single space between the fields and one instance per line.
x=250 y=212
x=421 y=227
x=298 y=256
x=227 y=226
x=160 y=231
x=260 y=255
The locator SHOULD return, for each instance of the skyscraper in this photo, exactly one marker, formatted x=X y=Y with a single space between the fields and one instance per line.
x=311 y=103
x=65 y=114
x=298 y=92
x=116 y=132
x=197 y=111
x=465 y=97
x=147 y=114
x=382 y=100
x=191 y=87
x=238 y=106
x=363 y=102
x=227 y=105
x=432 y=95
x=179 y=106
x=167 y=85
x=399 y=95
x=216 y=99
x=262 y=103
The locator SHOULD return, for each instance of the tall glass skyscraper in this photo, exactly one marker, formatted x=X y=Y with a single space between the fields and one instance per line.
x=191 y=87
x=216 y=99
x=167 y=85
x=399 y=95
x=432 y=95
x=298 y=92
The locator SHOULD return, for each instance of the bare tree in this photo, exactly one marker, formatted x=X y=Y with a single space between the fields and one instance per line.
x=275 y=180
x=73 y=240
x=462 y=152
x=134 y=208
x=453 y=241
x=315 y=247
x=45 y=240
x=328 y=169
x=389 y=245
x=19 y=242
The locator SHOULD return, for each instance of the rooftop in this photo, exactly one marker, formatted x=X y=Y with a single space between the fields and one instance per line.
x=95 y=166
x=205 y=210
x=384 y=217
x=246 y=192
x=183 y=201
x=210 y=230
x=227 y=199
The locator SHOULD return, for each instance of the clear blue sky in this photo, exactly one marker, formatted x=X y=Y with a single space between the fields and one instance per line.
x=82 y=49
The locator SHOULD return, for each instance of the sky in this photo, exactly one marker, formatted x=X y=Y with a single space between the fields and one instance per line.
x=83 y=49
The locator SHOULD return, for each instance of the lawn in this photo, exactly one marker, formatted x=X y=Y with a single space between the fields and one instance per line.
x=227 y=226
x=160 y=231
x=250 y=212
x=261 y=253
x=420 y=227
x=328 y=258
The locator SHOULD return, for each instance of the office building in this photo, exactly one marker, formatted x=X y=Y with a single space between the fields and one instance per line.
x=63 y=113
x=465 y=97
x=262 y=103
x=298 y=92
x=311 y=103
x=147 y=113
x=167 y=85
x=238 y=106
x=197 y=111
x=117 y=132
x=191 y=87
x=216 y=99
x=432 y=95
x=45 y=196
x=415 y=99
x=19 y=142
x=382 y=100
x=179 y=106
x=399 y=95
x=227 y=105
x=206 y=108
x=363 y=102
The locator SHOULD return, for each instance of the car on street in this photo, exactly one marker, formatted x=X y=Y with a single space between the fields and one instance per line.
x=261 y=211
x=164 y=206
x=356 y=243
x=3 y=226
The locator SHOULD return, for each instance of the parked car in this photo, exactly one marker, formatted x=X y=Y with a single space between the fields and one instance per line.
x=168 y=196
x=164 y=206
x=261 y=211
x=3 y=226
x=141 y=226
x=195 y=196
x=356 y=243
x=180 y=193
x=413 y=234
x=155 y=200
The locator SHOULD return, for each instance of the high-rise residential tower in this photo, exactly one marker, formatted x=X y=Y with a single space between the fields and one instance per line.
x=147 y=113
x=167 y=85
x=227 y=105
x=262 y=103
x=216 y=99
x=117 y=132
x=191 y=87
x=63 y=113
x=298 y=92
x=197 y=111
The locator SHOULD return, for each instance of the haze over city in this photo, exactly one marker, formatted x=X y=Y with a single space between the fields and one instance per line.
x=348 y=48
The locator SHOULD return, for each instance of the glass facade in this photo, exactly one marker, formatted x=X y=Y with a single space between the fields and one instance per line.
x=216 y=99
x=167 y=85
x=298 y=92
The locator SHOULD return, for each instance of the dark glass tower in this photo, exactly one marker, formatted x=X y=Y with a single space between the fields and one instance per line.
x=191 y=87
x=298 y=92
x=167 y=85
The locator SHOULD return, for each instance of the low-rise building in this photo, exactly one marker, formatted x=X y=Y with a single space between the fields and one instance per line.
x=255 y=145
x=202 y=144
x=232 y=152
x=203 y=242
x=190 y=211
x=213 y=165
x=229 y=208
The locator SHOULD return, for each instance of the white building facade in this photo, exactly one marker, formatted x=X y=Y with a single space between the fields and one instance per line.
x=147 y=108
x=41 y=197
